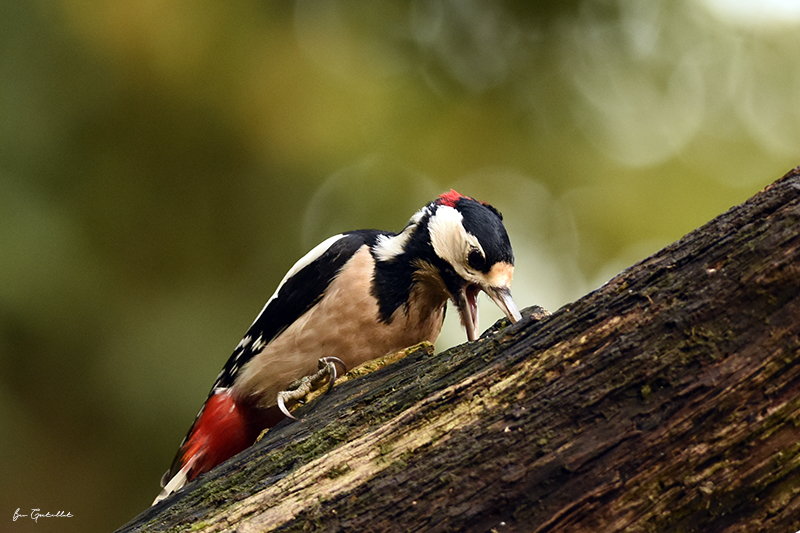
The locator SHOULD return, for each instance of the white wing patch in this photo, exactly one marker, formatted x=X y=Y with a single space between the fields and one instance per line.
x=245 y=341
x=387 y=247
x=258 y=344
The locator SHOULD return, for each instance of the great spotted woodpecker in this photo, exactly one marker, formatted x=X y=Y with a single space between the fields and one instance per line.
x=355 y=297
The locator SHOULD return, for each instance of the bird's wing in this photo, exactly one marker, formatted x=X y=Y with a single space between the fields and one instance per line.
x=301 y=288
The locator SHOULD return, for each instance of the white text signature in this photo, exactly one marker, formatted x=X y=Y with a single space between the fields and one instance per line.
x=36 y=514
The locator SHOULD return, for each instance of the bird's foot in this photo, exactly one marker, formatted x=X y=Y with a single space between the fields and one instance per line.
x=299 y=389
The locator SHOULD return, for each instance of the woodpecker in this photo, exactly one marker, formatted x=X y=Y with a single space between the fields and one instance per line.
x=356 y=296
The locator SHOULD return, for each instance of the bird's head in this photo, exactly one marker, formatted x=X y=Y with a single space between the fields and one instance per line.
x=474 y=252
x=457 y=245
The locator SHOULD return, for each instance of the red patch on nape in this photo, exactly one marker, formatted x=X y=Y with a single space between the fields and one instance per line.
x=450 y=198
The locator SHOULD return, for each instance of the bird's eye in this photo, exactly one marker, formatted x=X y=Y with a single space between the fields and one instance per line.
x=476 y=259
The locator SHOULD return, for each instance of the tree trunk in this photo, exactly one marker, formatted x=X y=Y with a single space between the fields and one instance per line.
x=667 y=400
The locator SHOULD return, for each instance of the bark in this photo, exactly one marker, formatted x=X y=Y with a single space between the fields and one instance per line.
x=667 y=400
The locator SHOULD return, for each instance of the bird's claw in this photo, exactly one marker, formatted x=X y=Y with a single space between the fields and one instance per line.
x=299 y=389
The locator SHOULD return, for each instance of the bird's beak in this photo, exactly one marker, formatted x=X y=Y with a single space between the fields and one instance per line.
x=502 y=298
x=468 y=306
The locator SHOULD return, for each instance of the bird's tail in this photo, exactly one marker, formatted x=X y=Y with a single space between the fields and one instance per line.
x=177 y=482
x=223 y=429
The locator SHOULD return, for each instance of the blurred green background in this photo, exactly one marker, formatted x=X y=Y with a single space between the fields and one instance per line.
x=162 y=164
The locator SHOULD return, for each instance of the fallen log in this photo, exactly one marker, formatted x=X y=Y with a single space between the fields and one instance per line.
x=667 y=400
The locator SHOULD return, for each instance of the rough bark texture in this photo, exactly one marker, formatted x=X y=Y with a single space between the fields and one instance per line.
x=668 y=400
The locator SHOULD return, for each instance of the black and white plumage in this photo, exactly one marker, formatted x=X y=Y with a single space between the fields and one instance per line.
x=355 y=297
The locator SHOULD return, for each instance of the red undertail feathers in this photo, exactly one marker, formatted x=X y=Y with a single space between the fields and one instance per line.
x=225 y=428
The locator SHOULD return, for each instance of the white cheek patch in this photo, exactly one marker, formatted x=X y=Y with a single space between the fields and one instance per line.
x=447 y=233
x=450 y=240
